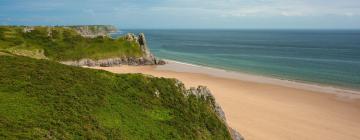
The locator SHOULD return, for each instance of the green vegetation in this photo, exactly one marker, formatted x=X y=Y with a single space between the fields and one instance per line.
x=63 y=43
x=42 y=99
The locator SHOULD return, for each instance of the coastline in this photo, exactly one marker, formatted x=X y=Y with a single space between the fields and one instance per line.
x=174 y=65
x=258 y=108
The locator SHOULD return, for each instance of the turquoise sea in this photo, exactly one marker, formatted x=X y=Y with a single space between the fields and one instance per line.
x=330 y=57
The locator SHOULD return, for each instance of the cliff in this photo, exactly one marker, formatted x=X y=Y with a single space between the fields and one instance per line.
x=93 y=31
x=204 y=93
x=90 y=31
x=77 y=102
x=147 y=57
x=88 y=45
x=42 y=99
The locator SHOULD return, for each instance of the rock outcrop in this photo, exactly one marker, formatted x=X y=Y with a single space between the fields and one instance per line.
x=114 y=62
x=27 y=29
x=141 y=40
x=204 y=92
x=235 y=135
x=93 y=31
x=90 y=31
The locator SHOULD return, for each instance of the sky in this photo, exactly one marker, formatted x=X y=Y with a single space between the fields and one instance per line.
x=189 y=14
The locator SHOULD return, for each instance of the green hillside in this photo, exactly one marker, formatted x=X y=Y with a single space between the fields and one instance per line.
x=42 y=99
x=64 y=43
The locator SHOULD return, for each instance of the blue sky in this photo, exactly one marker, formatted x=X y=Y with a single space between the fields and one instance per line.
x=242 y=14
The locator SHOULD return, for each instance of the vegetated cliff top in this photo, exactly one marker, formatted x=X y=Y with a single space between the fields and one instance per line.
x=42 y=99
x=63 y=43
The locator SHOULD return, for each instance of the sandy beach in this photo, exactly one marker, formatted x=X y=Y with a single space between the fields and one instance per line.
x=263 y=108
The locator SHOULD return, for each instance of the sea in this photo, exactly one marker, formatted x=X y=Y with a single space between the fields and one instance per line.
x=325 y=57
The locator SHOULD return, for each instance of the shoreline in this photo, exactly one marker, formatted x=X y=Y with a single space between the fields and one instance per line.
x=251 y=77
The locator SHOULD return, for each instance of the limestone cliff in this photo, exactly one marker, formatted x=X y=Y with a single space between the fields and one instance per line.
x=141 y=40
x=147 y=57
x=90 y=31
x=94 y=30
x=204 y=92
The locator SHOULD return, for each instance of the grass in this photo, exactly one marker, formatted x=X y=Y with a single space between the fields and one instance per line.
x=63 y=44
x=42 y=99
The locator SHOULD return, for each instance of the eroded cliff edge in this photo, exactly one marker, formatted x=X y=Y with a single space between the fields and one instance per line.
x=63 y=102
x=204 y=93
x=93 y=31
x=89 y=31
x=83 y=45
x=147 y=58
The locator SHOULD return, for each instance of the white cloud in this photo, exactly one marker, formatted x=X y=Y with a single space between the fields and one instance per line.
x=241 y=8
x=186 y=13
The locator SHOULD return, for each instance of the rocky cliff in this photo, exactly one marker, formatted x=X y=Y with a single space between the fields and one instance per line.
x=93 y=31
x=90 y=31
x=115 y=62
x=204 y=92
x=141 y=40
x=93 y=104
x=147 y=57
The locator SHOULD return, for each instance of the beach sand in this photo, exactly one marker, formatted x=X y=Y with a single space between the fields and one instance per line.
x=269 y=109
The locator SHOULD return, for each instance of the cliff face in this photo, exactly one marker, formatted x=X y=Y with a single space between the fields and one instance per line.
x=94 y=46
x=93 y=31
x=92 y=104
x=115 y=62
x=90 y=31
x=147 y=57
x=141 y=40
x=204 y=92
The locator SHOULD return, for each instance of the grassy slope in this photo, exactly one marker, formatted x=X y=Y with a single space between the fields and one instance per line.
x=40 y=99
x=63 y=44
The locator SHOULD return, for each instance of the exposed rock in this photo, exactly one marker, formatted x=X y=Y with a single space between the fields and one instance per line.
x=235 y=135
x=204 y=92
x=160 y=62
x=110 y=62
x=28 y=29
x=90 y=31
x=93 y=31
x=141 y=40
x=157 y=93
x=146 y=59
x=181 y=86
x=130 y=37
x=220 y=112
x=146 y=51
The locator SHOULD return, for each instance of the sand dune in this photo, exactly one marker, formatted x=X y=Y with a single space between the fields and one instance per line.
x=270 y=111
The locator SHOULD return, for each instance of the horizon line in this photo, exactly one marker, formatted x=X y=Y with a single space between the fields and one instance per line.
x=177 y=28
